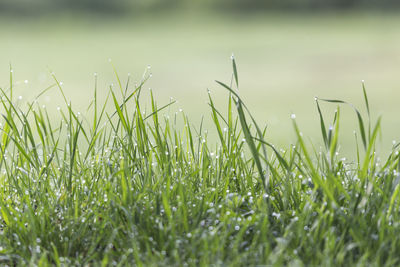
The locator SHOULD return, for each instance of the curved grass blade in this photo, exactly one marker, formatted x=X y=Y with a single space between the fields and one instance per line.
x=322 y=124
x=359 y=118
x=249 y=139
x=367 y=106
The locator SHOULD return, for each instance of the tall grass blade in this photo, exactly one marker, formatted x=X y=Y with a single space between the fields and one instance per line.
x=359 y=118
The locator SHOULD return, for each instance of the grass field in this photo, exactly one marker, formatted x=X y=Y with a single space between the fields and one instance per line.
x=100 y=175
x=139 y=190
x=285 y=60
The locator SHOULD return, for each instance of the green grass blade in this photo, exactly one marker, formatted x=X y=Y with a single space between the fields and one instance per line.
x=322 y=125
x=235 y=74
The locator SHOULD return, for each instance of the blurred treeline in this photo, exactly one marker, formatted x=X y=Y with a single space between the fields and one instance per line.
x=26 y=7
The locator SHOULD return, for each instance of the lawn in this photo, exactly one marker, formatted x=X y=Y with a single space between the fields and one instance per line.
x=98 y=170
x=130 y=187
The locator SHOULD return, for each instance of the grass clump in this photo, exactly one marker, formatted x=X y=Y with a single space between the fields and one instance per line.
x=131 y=187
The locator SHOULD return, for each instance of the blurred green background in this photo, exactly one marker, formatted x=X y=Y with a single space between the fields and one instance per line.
x=129 y=6
x=287 y=53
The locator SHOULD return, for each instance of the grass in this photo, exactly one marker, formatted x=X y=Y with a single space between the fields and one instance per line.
x=131 y=187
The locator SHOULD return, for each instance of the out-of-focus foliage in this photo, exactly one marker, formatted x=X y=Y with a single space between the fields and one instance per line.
x=104 y=6
x=119 y=6
x=305 y=4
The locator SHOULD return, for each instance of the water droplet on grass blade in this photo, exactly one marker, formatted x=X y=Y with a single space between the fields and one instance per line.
x=293 y=116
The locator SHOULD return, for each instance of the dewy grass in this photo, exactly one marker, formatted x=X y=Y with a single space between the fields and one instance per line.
x=130 y=187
